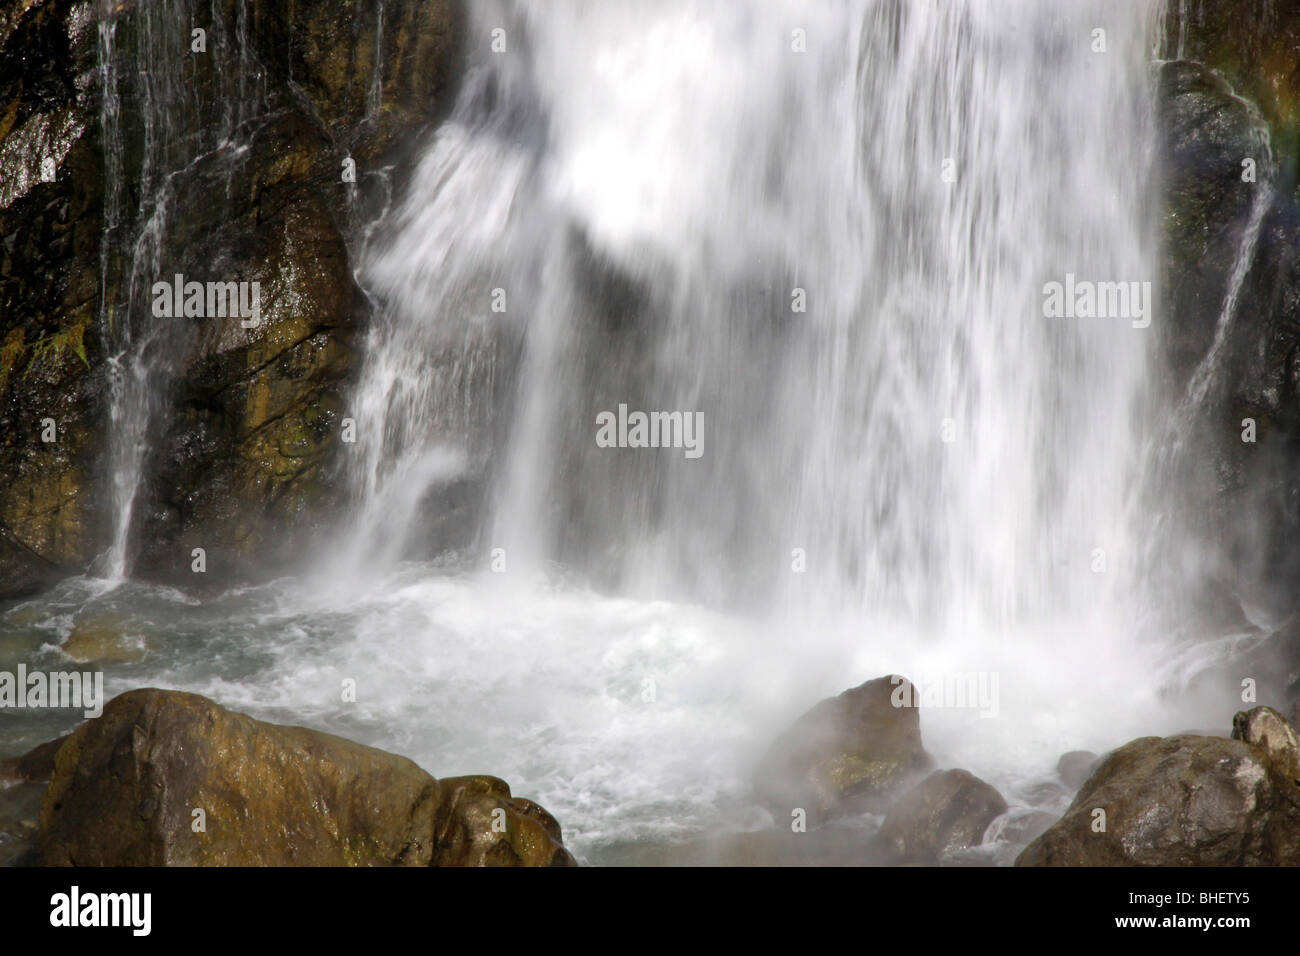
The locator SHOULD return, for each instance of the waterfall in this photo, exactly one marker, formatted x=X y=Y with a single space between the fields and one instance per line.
x=828 y=232
x=148 y=151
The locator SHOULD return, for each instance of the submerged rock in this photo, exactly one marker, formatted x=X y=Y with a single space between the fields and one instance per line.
x=23 y=781
x=851 y=753
x=101 y=637
x=35 y=766
x=947 y=811
x=171 y=779
x=1183 y=801
x=20 y=806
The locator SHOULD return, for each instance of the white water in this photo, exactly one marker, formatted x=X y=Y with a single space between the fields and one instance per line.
x=648 y=182
x=685 y=153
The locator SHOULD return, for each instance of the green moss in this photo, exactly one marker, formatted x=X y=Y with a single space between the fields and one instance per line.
x=51 y=347
x=10 y=353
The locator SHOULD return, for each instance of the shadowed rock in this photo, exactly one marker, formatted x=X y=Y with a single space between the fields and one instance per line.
x=35 y=766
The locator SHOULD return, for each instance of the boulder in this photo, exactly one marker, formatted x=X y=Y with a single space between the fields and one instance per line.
x=849 y=754
x=466 y=835
x=128 y=788
x=946 y=812
x=1075 y=766
x=1180 y=801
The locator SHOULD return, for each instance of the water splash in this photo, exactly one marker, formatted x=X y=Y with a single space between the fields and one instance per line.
x=650 y=210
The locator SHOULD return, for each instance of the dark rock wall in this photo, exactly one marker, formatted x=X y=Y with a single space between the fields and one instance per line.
x=50 y=223
x=223 y=165
x=1234 y=72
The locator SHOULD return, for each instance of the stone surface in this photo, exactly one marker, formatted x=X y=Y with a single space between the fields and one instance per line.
x=1075 y=766
x=1178 y=801
x=848 y=754
x=35 y=766
x=948 y=811
x=50 y=228
x=126 y=788
x=244 y=430
x=1270 y=731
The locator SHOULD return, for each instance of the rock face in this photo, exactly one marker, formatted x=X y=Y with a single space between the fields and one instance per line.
x=126 y=788
x=1231 y=93
x=222 y=164
x=1185 y=801
x=51 y=413
x=947 y=811
x=849 y=754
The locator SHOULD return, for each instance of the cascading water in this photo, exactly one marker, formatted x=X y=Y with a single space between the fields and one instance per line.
x=828 y=232
x=652 y=214
x=825 y=229
x=154 y=72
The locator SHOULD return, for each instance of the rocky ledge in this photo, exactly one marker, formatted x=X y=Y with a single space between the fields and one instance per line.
x=171 y=779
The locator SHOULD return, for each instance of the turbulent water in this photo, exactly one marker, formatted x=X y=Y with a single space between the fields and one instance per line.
x=828 y=232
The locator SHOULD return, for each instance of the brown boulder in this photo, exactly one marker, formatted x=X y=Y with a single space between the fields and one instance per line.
x=851 y=753
x=127 y=788
x=947 y=811
x=1178 y=801
x=480 y=824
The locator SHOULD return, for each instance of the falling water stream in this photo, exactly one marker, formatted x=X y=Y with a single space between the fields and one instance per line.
x=825 y=230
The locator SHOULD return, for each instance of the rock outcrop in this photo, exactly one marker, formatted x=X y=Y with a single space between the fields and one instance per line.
x=253 y=158
x=1229 y=101
x=51 y=408
x=1185 y=801
x=171 y=779
x=849 y=754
